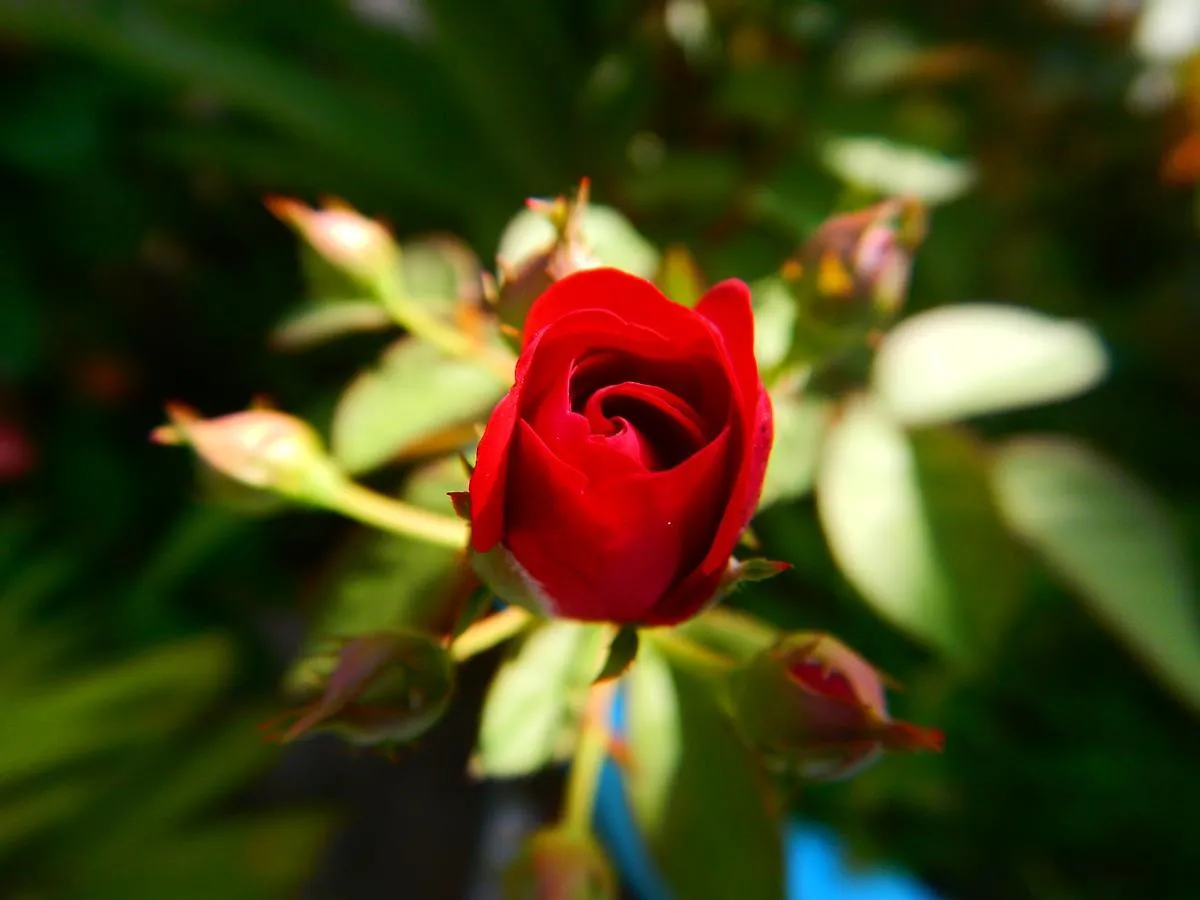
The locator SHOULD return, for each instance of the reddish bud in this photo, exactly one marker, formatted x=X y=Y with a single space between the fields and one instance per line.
x=558 y=864
x=526 y=275
x=385 y=687
x=361 y=248
x=851 y=277
x=261 y=448
x=814 y=703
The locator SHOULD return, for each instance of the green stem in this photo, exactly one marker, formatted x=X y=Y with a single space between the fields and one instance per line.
x=353 y=500
x=687 y=652
x=487 y=633
x=584 y=778
x=420 y=322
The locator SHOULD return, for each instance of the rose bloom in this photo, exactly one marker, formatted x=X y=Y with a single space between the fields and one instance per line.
x=615 y=478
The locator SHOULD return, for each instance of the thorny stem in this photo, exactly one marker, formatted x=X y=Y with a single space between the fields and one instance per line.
x=487 y=633
x=595 y=738
x=357 y=502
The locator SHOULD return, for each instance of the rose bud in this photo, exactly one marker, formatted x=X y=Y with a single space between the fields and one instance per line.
x=851 y=277
x=261 y=448
x=558 y=864
x=525 y=277
x=814 y=703
x=386 y=687
x=615 y=478
x=360 y=248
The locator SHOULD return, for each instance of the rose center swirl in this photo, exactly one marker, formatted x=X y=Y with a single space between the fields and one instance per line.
x=625 y=401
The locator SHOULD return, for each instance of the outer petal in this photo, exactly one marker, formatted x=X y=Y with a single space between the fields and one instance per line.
x=727 y=308
x=613 y=551
x=634 y=299
x=490 y=478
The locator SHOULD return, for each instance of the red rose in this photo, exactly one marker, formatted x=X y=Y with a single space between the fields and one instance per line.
x=614 y=480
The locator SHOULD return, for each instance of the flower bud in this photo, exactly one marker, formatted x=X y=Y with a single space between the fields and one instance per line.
x=813 y=703
x=558 y=864
x=851 y=277
x=261 y=448
x=360 y=248
x=386 y=687
x=526 y=275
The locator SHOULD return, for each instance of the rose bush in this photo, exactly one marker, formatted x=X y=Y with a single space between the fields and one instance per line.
x=615 y=478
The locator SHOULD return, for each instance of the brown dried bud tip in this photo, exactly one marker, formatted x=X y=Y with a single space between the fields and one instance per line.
x=361 y=247
x=814 y=703
x=558 y=864
x=261 y=448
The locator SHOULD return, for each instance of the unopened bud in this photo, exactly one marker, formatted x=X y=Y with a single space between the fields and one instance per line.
x=558 y=864
x=387 y=687
x=526 y=273
x=816 y=705
x=359 y=247
x=851 y=277
x=261 y=448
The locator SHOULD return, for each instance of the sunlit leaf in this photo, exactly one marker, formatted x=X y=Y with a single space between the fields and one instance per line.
x=774 y=322
x=532 y=710
x=1111 y=541
x=413 y=393
x=890 y=168
x=609 y=236
x=679 y=277
x=315 y=323
x=958 y=361
x=696 y=791
x=911 y=523
x=801 y=421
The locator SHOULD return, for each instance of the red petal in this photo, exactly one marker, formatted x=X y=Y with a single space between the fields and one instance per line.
x=634 y=299
x=612 y=550
x=727 y=307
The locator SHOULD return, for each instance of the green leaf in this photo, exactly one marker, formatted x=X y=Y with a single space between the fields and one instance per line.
x=959 y=361
x=621 y=653
x=317 y=322
x=890 y=168
x=384 y=581
x=413 y=394
x=774 y=322
x=696 y=791
x=679 y=277
x=801 y=421
x=531 y=714
x=911 y=523
x=608 y=235
x=1110 y=541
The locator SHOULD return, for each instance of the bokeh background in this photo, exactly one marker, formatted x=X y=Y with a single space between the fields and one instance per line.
x=144 y=628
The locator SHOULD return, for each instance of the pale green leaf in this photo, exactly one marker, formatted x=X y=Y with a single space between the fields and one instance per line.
x=608 y=236
x=801 y=421
x=532 y=710
x=413 y=394
x=696 y=791
x=912 y=525
x=316 y=322
x=958 y=361
x=1111 y=541
x=774 y=322
x=888 y=168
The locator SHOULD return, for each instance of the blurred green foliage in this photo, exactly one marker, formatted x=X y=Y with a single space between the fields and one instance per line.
x=137 y=139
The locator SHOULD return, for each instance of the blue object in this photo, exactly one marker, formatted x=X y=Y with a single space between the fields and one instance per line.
x=816 y=865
